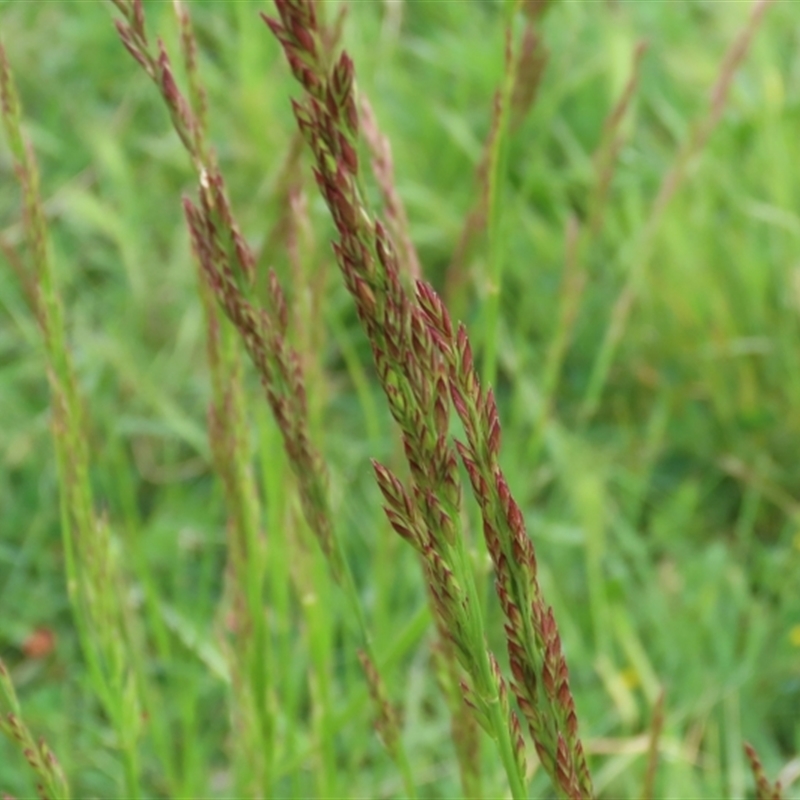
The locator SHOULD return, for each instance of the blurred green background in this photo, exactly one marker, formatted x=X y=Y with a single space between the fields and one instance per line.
x=665 y=507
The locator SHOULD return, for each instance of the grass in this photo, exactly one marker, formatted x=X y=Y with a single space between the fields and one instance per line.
x=657 y=476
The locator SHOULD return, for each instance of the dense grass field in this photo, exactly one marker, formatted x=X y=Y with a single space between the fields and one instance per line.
x=642 y=335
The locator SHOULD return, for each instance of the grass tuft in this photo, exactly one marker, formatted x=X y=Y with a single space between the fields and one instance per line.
x=523 y=211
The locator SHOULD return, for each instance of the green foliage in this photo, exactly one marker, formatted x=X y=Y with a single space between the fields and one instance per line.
x=661 y=499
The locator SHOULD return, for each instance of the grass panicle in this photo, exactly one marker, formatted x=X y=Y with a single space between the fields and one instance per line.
x=248 y=651
x=409 y=369
x=221 y=644
x=765 y=790
x=421 y=362
x=541 y=682
x=228 y=265
x=229 y=269
x=96 y=584
x=51 y=783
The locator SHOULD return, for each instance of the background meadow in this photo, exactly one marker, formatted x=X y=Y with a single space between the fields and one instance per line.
x=646 y=361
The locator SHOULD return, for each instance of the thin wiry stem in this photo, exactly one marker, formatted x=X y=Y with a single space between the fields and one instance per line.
x=672 y=180
x=51 y=782
x=228 y=267
x=95 y=579
x=656 y=728
x=227 y=423
x=765 y=790
x=519 y=87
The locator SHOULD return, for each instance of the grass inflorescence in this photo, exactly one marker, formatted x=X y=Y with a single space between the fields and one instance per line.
x=300 y=554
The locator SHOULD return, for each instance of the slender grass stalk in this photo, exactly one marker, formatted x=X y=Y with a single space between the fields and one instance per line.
x=394 y=208
x=523 y=69
x=249 y=648
x=95 y=581
x=541 y=678
x=764 y=789
x=413 y=379
x=611 y=141
x=578 y=241
x=496 y=168
x=425 y=364
x=522 y=74
x=670 y=184
x=464 y=728
x=51 y=782
x=573 y=284
x=308 y=275
x=228 y=266
x=420 y=363
x=656 y=728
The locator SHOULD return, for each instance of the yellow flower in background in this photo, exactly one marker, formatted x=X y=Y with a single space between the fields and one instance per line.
x=630 y=677
x=794 y=635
